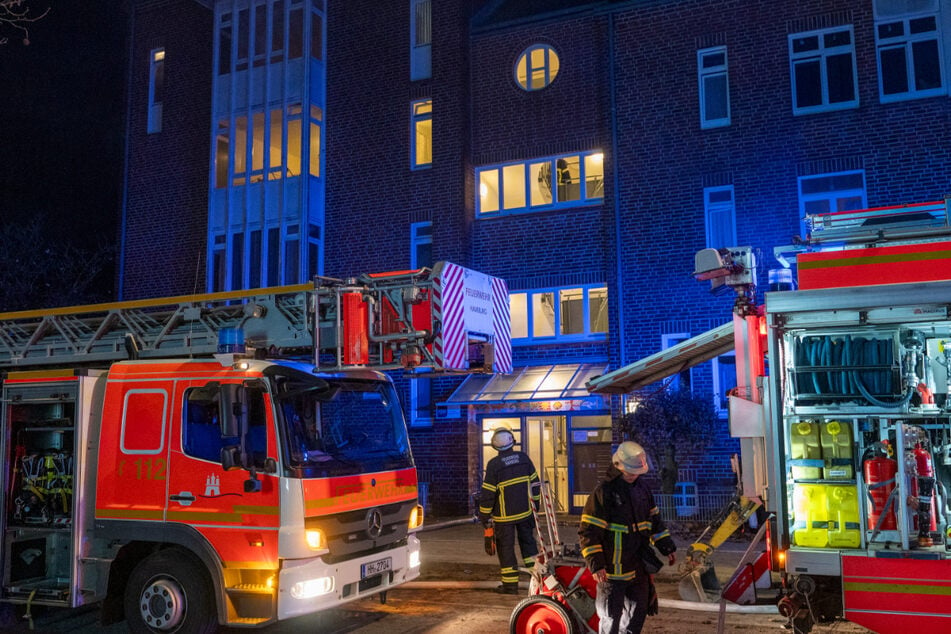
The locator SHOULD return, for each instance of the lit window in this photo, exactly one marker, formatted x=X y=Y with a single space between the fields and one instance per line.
x=421 y=37
x=316 y=121
x=909 y=50
x=714 y=87
x=536 y=67
x=720 y=216
x=823 y=70
x=562 y=314
x=156 y=89
x=422 y=133
x=561 y=181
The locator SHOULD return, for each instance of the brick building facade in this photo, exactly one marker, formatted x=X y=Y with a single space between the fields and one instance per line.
x=579 y=150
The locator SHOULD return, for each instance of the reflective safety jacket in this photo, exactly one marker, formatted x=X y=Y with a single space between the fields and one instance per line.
x=507 y=489
x=617 y=521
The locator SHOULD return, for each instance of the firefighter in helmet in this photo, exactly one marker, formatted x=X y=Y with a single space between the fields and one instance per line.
x=506 y=500
x=620 y=527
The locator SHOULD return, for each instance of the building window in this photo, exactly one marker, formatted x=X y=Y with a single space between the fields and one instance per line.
x=824 y=193
x=559 y=314
x=421 y=245
x=823 y=70
x=420 y=255
x=909 y=50
x=682 y=380
x=156 y=89
x=720 y=216
x=536 y=67
x=714 y=87
x=420 y=39
x=421 y=137
x=263 y=148
x=724 y=380
x=248 y=32
x=560 y=181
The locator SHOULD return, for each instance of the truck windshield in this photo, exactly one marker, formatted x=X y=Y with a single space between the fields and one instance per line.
x=340 y=426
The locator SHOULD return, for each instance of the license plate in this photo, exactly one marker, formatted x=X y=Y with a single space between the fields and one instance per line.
x=376 y=567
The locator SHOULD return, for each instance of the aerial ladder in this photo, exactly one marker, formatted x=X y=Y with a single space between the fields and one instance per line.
x=447 y=319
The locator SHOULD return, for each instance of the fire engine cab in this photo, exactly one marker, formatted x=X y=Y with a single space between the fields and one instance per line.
x=226 y=459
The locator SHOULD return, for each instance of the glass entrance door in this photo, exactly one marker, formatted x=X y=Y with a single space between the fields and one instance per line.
x=547 y=446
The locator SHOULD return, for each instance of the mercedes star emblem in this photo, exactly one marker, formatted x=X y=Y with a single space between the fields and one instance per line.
x=374 y=523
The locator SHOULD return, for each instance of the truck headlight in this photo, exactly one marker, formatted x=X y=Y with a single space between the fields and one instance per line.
x=315 y=539
x=416 y=517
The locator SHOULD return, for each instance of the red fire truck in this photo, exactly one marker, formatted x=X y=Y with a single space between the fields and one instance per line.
x=846 y=439
x=227 y=459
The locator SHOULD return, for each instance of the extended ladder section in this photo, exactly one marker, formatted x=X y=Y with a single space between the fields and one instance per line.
x=901 y=222
x=439 y=320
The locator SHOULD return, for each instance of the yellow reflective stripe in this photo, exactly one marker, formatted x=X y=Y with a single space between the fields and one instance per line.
x=591 y=550
x=627 y=576
x=489 y=487
x=617 y=528
x=520 y=479
x=205 y=516
x=644 y=526
x=617 y=553
x=130 y=514
x=594 y=521
x=660 y=535
x=515 y=518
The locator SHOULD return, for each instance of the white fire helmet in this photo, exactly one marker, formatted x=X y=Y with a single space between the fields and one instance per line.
x=502 y=439
x=630 y=458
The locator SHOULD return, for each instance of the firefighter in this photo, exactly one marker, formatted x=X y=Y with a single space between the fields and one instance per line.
x=506 y=502
x=621 y=514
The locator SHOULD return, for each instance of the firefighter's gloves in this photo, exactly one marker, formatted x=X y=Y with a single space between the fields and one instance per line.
x=489 y=539
x=671 y=559
x=600 y=575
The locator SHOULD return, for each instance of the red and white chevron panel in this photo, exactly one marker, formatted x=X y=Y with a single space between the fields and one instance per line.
x=449 y=309
x=502 y=324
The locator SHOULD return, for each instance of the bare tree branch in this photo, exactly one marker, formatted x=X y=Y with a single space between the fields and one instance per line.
x=16 y=15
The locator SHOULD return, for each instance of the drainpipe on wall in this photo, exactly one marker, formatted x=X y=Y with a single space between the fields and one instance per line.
x=124 y=204
x=619 y=269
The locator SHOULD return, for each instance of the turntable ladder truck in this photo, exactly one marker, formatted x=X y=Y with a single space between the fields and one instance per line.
x=231 y=459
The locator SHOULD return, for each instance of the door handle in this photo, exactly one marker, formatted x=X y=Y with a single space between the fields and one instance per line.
x=183 y=497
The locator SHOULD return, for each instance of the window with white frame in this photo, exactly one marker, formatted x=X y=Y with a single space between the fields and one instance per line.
x=420 y=39
x=908 y=43
x=681 y=380
x=243 y=35
x=822 y=70
x=536 y=67
x=724 y=380
x=719 y=216
x=267 y=146
x=156 y=89
x=421 y=136
x=824 y=193
x=421 y=254
x=558 y=181
x=559 y=314
x=714 y=87
x=270 y=256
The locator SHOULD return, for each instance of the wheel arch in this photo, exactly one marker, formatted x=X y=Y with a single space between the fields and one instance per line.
x=151 y=540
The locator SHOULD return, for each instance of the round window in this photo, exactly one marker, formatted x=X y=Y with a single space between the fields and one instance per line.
x=536 y=67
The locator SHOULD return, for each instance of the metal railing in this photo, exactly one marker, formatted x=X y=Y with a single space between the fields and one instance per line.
x=703 y=508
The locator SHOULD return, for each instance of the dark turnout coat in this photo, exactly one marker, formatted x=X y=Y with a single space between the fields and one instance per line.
x=507 y=488
x=618 y=520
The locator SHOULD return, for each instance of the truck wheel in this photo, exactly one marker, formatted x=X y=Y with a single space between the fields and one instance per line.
x=169 y=592
x=541 y=615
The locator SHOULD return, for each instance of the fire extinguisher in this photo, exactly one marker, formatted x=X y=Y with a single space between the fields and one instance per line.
x=880 y=473
x=925 y=479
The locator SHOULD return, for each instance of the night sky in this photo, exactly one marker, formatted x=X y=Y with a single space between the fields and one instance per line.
x=62 y=104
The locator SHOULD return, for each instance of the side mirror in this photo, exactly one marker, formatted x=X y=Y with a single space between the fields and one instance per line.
x=232 y=409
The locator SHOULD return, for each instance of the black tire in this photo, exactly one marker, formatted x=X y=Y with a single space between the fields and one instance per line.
x=169 y=592
x=541 y=615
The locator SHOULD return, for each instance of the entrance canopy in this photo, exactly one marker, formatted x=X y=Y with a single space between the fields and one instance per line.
x=532 y=383
x=684 y=355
